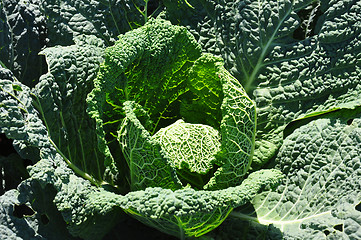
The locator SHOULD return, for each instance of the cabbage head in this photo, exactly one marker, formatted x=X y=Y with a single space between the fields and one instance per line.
x=185 y=128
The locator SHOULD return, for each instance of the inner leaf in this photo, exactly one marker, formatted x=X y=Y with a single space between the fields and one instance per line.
x=190 y=146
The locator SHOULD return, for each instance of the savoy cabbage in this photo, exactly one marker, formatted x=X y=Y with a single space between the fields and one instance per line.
x=210 y=119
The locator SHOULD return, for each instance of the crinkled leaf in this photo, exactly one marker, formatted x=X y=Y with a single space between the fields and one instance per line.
x=72 y=194
x=23 y=35
x=147 y=65
x=27 y=26
x=185 y=212
x=19 y=118
x=321 y=193
x=159 y=66
x=103 y=19
x=238 y=130
x=190 y=146
x=219 y=100
x=180 y=212
x=5 y=37
x=21 y=122
x=60 y=97
x=199 y=20
x=148 y=167
x=12 y=226
x=20 y=220
x=288 y=77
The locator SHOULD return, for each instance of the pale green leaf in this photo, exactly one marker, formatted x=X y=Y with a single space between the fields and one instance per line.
x=321 y=194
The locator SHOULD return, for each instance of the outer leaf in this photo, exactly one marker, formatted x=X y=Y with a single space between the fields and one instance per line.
x=199 y=20
x=21 y=122
x=12 y=227
x=288 y=77
x=74 y=197
x=103 y=19
x=181 y=212
x=5 y=39
x=19 y=221
x=19 y=119
x=23 y=35
x=27 y=26
x=187 y=212
x=322 y=190
x=60 y=98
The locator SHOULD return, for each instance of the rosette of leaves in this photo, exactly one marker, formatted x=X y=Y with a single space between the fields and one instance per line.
x=185 y=126
x=169 y=139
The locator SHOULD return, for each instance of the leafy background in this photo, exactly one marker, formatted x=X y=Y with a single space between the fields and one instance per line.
x=295 y=107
